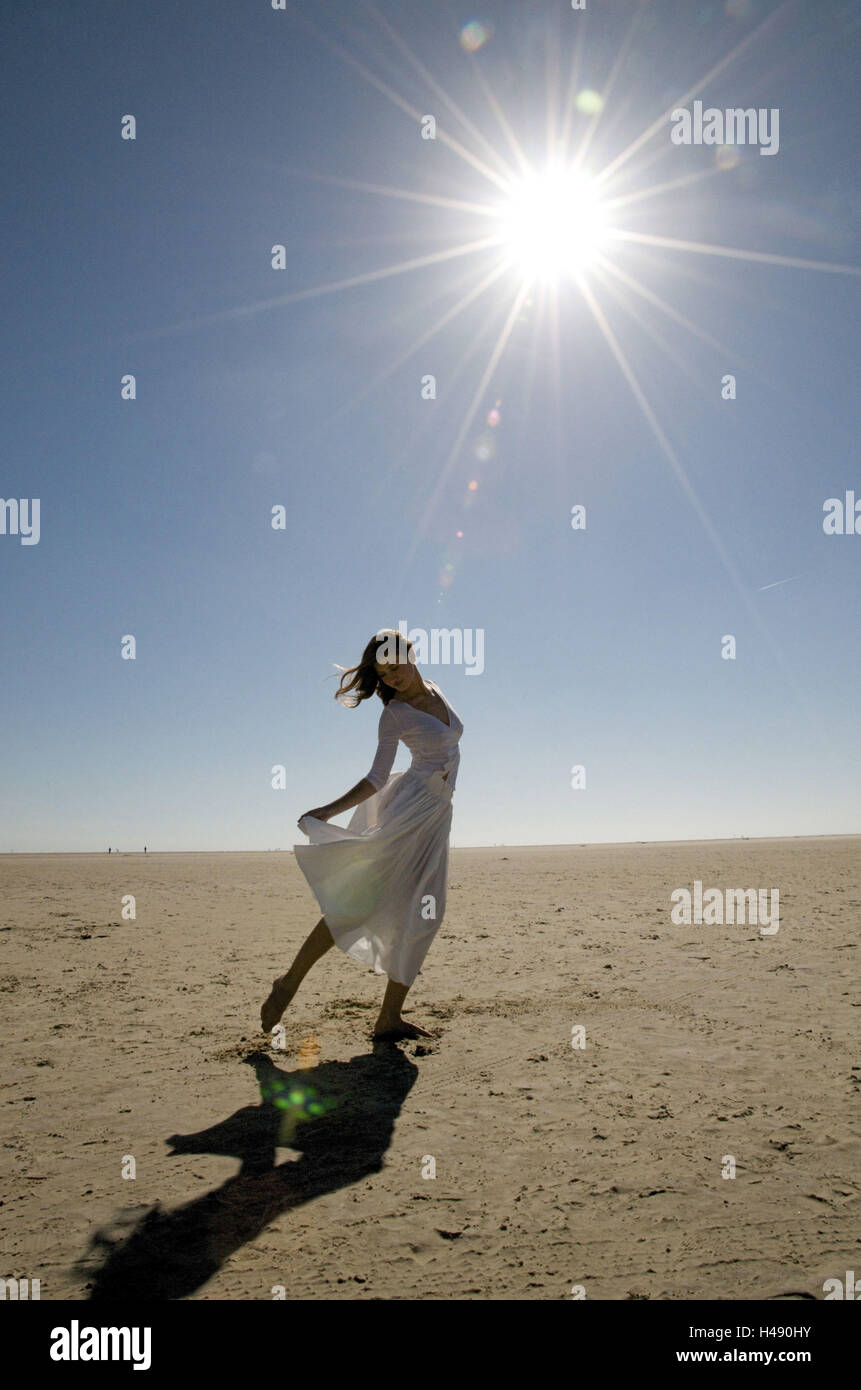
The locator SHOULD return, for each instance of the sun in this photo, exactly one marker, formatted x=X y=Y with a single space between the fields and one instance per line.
x=552 y=225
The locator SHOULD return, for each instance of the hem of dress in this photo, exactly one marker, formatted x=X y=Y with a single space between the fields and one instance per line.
x=371 y=960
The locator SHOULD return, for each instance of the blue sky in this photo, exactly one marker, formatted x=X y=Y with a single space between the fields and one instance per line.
x=602 y=646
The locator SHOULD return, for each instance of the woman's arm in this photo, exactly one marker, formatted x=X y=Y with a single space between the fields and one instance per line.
x=357 y=794
x=387 y=746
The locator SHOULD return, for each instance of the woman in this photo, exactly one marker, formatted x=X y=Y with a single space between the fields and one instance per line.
x=381 y=883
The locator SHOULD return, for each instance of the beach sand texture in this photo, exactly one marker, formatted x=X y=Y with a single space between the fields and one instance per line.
x=555 y=1166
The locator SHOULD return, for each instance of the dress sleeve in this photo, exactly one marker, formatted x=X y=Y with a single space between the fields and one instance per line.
x=387 y=747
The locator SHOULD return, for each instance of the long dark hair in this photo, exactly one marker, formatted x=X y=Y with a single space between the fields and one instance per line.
x=360 y=682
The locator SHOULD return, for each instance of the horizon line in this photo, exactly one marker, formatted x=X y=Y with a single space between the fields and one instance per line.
x=556 y=844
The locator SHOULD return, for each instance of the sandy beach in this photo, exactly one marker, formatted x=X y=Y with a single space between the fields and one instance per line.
x=134 y=1045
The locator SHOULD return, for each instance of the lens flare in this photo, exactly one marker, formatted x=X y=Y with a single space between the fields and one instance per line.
x=727 y=157
x=474 y=34
x=298 y=1104
x=589 y=103
x=309 y=1053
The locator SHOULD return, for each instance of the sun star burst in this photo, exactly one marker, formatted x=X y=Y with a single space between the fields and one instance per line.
x=553 y=225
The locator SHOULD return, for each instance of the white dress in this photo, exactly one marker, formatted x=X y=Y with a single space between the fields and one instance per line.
x=381 y=882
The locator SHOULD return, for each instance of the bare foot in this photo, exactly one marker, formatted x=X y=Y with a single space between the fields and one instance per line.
x=279 y=997
x=399 y=1029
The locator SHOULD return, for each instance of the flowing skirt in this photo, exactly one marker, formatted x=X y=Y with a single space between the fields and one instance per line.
x=381 y=882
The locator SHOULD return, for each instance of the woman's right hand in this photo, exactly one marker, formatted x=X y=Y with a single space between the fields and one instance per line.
x=319 y=813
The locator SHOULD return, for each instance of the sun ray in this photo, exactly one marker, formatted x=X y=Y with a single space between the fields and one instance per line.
x=444 y=138
x=615 y=291
x=556 y=359
x=368 y=277
x=607 y=90
x=436 y=327
x=571 y=96
x=626 y=199
x=533 y=353
x=689 y=271
x=385 y=191
x=456 y=371
x=502 y=121
x=684 y=482
x=702 y=248
x=657 y=430
x=659 y=303
x=698 y=87
x=496 y=354
x=438 y=89
x=492 y=363
x=551 y=87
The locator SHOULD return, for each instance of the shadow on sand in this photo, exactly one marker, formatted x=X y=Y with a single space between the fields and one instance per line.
x=339 y=1116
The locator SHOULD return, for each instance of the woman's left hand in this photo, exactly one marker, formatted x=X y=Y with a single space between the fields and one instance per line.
x=319 y=813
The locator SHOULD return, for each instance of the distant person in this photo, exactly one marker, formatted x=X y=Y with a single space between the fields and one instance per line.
x=109 y=849
x=381 y=883
x=144 y=849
